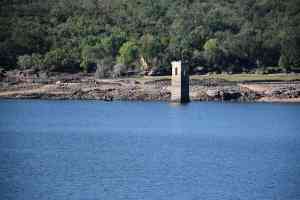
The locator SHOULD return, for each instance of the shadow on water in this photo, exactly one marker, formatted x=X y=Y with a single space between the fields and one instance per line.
x=177 y=104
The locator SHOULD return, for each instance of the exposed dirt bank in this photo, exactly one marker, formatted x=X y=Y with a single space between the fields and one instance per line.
x=145 y=89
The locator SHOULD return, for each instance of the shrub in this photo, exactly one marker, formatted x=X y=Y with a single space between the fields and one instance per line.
x=211 y=45
x=150 y=48
x=94 y=55
x=31 y=61
x=24 y=61
x=128 y=53
x=212 y=53
x=61 y=60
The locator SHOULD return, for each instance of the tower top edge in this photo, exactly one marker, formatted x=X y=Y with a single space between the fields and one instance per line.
x=176 y=62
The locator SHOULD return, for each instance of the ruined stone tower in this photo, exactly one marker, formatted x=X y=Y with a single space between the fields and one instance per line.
x=180 y=82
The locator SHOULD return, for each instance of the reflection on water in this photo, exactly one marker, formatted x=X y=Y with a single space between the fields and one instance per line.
x=135 y=150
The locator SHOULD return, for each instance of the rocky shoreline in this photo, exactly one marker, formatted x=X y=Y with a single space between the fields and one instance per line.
x=85 y=87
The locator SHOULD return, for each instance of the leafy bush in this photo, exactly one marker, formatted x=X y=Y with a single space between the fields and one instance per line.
x=150 y=48
x=61 y=60
x=34 y=61
x=92 y=55
x=24 y=61
x=128 y=53
x=211 y=45
x=212 y=53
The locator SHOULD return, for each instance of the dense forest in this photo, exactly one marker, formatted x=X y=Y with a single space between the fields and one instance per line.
x=122 y=36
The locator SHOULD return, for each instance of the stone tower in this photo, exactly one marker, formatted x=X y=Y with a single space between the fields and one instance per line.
x=180 y=91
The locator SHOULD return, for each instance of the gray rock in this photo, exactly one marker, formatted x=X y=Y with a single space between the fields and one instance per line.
x=212 y=92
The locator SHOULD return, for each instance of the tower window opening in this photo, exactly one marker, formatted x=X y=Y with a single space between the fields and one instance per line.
x=176 y=71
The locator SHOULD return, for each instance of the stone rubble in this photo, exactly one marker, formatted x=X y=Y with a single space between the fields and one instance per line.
x=142 y=89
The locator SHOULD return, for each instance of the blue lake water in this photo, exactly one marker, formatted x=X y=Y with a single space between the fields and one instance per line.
x=148 y=151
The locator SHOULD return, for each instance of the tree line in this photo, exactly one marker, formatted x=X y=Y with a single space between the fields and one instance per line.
x=121 y=36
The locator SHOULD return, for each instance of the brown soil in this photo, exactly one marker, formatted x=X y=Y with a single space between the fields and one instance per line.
x=86 y=87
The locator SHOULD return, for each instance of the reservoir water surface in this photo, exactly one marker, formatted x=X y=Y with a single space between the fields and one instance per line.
x=94 y=150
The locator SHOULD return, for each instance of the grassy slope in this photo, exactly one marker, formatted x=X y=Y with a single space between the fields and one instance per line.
x=255 y=77
x=236 y=77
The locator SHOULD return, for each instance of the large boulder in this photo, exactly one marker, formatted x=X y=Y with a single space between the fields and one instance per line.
x=213 y=93
x=223 y=94
x=119 y=70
